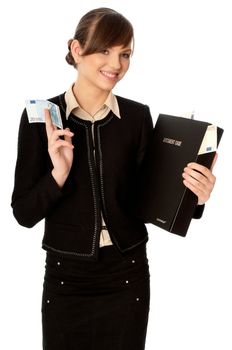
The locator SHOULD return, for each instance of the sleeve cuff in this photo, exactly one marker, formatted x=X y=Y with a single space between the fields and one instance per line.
x=198 y=211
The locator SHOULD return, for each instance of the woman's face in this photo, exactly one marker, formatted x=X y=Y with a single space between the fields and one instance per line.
x=104 y=69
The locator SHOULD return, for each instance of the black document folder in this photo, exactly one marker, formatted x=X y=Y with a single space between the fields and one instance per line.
x=176 y=141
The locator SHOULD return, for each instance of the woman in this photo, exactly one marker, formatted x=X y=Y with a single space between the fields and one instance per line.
x=82 y=180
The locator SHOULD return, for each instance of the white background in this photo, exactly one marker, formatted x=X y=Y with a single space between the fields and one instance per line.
x=182 y=62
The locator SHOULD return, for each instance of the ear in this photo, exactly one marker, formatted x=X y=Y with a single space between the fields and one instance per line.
x=76 y=50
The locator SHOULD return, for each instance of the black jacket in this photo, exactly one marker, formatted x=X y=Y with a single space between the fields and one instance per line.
x=108 y=185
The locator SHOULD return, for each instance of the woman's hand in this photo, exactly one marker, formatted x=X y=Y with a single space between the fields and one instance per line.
x=60 y=150
x=200 y=180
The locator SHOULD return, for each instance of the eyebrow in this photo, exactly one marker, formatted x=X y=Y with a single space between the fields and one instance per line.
x=126 y=49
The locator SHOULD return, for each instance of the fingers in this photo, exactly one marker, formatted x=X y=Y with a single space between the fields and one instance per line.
x=54 y=134
x=68 y=136
x=60 y=143
x=56 y=143
x=199 y=180
x=200 y=173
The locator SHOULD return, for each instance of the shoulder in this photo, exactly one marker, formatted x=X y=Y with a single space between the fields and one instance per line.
x=130 y=104
x=59 y=100
x=134 y=111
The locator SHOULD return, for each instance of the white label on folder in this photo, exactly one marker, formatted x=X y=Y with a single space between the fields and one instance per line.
x=209 y=142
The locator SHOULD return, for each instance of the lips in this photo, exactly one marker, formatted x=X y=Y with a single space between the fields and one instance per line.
x=110 y=75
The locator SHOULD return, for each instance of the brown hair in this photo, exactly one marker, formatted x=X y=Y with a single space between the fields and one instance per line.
x=100 y=29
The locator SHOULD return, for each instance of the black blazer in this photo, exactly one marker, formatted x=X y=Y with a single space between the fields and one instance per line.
x=106 y=184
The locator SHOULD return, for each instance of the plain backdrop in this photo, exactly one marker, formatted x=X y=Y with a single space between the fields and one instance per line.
x=182 y=62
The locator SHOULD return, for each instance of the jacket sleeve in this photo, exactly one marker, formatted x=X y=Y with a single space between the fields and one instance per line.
x=145 y=135
x=198 y=211
x=35 y=190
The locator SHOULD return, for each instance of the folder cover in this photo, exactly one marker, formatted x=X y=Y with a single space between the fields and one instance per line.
x=176 y=141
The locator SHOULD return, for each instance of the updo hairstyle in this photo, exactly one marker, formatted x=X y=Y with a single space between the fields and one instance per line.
x=100 y=29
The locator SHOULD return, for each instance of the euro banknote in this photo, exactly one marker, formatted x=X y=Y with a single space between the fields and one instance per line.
x=35 y=112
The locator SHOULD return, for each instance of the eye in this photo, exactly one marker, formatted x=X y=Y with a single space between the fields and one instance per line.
x=105 y=52
x=126 y=55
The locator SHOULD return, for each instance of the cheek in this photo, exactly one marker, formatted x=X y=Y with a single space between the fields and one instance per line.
x=85 y=69
x=125 y=66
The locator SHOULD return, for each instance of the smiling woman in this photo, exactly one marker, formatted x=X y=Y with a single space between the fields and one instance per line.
x=100 y=70
x=83 y=181
x=100 y=50
x=96 y=285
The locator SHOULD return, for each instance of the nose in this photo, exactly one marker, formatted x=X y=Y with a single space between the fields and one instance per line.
x=114 y=61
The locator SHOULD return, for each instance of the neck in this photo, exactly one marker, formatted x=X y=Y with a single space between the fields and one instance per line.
x=91 y=101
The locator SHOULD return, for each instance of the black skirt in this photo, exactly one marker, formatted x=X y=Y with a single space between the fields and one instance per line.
x=96 y=305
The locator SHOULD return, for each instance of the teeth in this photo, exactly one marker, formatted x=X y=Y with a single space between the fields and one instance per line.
x=109 y=75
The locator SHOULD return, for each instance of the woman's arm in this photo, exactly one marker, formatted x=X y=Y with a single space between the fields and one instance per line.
x=35 y=189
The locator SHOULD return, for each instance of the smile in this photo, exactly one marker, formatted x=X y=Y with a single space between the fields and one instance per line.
x=112 y=76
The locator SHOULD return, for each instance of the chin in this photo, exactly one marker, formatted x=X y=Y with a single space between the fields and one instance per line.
x=108 y=87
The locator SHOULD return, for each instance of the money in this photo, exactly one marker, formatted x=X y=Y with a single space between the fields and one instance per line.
x=35 y=112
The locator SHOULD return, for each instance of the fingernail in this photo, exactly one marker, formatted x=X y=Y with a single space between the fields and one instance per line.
x=69 y=131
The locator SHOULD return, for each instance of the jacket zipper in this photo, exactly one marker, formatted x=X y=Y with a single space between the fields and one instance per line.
x=104 y=210
x=92 y=169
